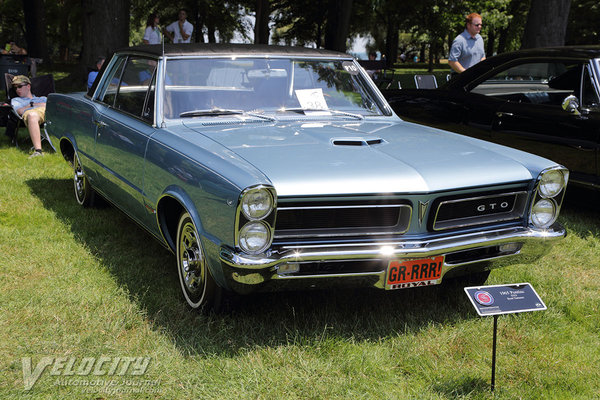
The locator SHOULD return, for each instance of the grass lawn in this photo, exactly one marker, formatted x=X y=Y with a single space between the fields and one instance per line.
x=88 y=283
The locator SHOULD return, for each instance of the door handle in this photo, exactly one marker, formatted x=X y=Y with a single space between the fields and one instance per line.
x=501 y=114
x=100 y=124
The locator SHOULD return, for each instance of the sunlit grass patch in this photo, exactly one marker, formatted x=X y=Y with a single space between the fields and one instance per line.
x=90 y=283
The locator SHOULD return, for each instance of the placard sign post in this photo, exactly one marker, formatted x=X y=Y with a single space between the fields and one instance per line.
x=496 y=300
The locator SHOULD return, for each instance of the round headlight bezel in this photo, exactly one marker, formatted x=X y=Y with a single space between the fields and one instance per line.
x=534 y=217
x=246 y=203
x=243 y=238
x=550 y=178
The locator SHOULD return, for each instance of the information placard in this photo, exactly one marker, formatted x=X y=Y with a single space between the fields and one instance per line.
x=504 y=299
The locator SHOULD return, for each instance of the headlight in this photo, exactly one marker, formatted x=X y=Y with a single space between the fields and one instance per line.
x=257 y=203
x=543 y=213
x=255 y=237
x=551 y=183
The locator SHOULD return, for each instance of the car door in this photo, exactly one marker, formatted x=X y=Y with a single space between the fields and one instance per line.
x=534 y=120
x=124 y=127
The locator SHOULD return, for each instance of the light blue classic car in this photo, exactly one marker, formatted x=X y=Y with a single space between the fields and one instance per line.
x=266 y=168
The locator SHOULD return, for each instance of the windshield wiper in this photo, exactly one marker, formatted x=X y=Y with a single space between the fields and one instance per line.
x=210 y=112
x=220 y=111
x=336 y=112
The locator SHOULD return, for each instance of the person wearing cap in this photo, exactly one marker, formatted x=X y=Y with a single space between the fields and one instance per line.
x=31 y=108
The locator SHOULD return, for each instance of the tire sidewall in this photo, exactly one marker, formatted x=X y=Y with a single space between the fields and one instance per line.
x=206 y=292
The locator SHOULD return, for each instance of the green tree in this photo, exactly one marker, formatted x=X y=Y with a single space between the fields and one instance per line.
x=546 y=23
x=584 y=22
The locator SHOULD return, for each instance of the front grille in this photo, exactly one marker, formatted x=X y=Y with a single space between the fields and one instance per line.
x=328 y=218
x=339 y=267
x=484 y=208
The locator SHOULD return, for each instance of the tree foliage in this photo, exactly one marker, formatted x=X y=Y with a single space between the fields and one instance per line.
x=64 y=29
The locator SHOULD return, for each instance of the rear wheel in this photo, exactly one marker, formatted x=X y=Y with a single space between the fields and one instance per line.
x=84 y=194
x=197 y=284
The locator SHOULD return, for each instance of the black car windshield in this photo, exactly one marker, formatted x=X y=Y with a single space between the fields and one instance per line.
x=261 y=86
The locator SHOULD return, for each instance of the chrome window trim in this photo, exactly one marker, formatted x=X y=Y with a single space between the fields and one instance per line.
x=386 y=110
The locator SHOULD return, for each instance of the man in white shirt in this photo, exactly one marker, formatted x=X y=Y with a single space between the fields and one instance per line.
x=181 y=30
x=31 y=108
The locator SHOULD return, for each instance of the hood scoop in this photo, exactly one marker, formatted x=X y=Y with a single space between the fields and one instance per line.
x=357 y=141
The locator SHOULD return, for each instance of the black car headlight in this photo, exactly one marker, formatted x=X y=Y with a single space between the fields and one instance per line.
x=255 y=223
x=548 y=198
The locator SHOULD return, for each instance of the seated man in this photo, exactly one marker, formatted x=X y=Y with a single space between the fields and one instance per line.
x=93 y=74
x=31 y=108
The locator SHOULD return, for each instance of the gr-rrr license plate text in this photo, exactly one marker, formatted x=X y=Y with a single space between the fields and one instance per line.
x=413 y=273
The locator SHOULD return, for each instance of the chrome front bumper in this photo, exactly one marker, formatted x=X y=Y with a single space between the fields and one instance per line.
x=529 y=244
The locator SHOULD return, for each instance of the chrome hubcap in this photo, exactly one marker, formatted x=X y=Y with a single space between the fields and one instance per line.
x=191 y=260
x=79 y=180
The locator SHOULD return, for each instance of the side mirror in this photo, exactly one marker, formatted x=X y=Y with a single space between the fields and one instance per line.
x=571 y=105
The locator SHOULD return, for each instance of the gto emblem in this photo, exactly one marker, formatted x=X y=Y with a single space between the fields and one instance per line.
x=492 y=206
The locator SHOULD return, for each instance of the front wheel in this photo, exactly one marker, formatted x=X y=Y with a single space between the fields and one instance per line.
x=84 y=194
x=197 y=284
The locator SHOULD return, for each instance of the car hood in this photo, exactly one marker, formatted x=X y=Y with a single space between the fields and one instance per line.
x=319 y=158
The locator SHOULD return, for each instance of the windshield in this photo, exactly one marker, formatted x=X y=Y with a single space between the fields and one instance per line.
x=204 y=87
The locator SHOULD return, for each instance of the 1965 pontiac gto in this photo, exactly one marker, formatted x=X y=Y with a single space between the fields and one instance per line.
x=264 y=168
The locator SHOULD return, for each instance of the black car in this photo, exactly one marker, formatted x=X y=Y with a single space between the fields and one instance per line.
x=544 y=101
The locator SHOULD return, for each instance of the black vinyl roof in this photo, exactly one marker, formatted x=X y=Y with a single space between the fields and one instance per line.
x=212 y=49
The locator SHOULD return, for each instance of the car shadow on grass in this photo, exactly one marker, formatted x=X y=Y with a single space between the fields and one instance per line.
x=147 y=271
x=580 y=213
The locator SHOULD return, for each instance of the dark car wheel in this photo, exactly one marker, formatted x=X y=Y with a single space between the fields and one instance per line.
x=84 y=194
x=198 y=286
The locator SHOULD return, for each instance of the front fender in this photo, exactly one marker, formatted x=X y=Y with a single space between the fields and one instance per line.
x=210 y=243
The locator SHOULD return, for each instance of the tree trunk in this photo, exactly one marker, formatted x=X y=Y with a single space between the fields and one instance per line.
x=261 y=26
x=546 y=23
x=391 y=42
x=35 y=29
x=490 y=41
x=198 y=19
x=105 y=28
x=338 y=24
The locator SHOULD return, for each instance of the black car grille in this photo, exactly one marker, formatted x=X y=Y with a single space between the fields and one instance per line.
x=483 y=208
x=315 y=218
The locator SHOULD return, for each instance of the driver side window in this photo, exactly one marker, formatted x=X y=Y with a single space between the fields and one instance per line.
x=541 y=83
x=130 y=87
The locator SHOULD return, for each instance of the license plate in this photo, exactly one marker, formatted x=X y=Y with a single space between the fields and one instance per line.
x=413 y=273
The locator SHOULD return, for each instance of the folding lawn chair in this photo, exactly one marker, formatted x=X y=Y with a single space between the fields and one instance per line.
x=425 y=82
x=40 y=86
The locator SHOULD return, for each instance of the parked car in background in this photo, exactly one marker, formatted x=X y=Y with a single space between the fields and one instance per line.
x=544 y=101
x=267 y=168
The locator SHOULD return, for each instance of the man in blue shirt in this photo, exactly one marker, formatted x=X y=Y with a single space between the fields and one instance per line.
x=31 y=108
x=93 y=74
x=467 y=48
